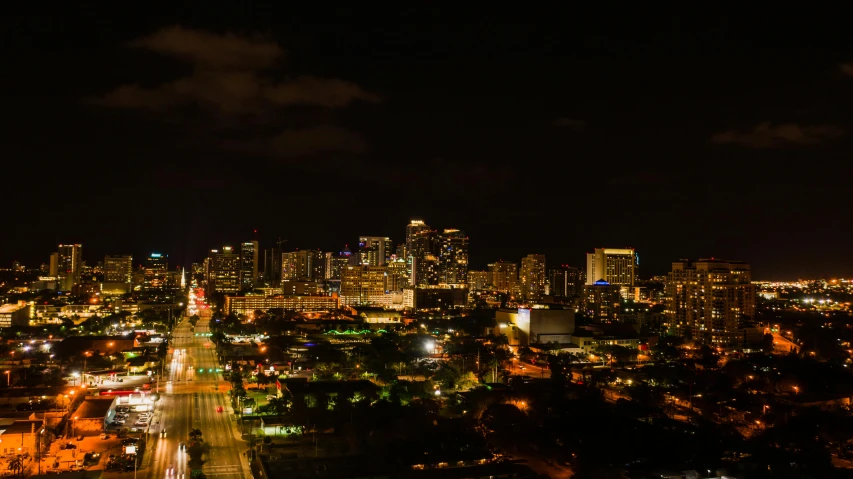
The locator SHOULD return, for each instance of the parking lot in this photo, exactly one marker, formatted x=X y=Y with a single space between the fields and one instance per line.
x=133 y=418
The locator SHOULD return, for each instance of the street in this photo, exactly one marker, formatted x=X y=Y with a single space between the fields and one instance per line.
x=189 y=400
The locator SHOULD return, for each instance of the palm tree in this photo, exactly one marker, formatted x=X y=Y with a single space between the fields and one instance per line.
x=195 y=434
x=16 y=465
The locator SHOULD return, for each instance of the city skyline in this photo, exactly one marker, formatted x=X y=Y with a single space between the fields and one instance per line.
x=644 y=272
x=681 y=137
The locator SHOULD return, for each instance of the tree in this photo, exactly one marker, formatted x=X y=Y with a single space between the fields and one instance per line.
x=16 y=465
x=278 y=406
x=448 y=376
x=560 y=365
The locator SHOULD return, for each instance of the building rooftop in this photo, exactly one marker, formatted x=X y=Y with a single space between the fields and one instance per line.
x=11 y=307
x=21 y=427
x=94 y=407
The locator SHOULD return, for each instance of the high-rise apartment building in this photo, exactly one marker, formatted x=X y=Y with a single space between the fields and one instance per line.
x=614 y=265
x=335 y=262
x=453 y=257
x=425 y=254
x=374 y=250
x=303 y=265
x=155 y=272
x=118 y=274
x=412 y=229
x=708 y=300
x=69 y=265
x=566 y=281
x=532 y=278
x=478 y=280
x=503 y=276
x=225 y=267
x=249 y=264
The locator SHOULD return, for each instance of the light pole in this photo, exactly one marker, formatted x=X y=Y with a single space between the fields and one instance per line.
x=74 y=427
x=8 y=380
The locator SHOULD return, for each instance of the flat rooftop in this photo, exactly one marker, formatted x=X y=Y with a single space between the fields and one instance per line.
x=11 y=308
x=94 y=407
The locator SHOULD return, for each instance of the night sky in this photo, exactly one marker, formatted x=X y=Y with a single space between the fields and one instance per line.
x=549 y=130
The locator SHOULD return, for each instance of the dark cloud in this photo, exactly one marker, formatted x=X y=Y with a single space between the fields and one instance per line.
x=232 y=74
x=846 y=68
x=210 y=50
x=572 y=123
x=320 y=139
x=236 y=81
x=643 y=179
x=767 y=135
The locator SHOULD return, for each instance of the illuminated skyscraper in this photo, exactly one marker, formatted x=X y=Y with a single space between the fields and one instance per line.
x=362 y=285
x=118 y=274
x=69 y=265
x=425 y=253
x=503 y=276
x=412 y=229
x=249 y=264
x=614 y=265
x=155 y=272
x=396 y=275
x=478 y=280
x=374 y=250
x=453 y=257
x=335 y=262
x=531 y=278
x=708 y=299
x=224 y=276
x=566 y=281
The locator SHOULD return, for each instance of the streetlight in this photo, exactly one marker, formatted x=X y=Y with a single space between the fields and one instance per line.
x=796 y=389
x=8 y=380
x=74 y=427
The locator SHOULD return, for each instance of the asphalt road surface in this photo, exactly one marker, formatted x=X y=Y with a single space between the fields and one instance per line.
x=189 y=400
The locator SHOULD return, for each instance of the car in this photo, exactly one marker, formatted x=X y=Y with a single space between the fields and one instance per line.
x=104 y=435
x=219 y=409
x=182 y=446
x=70 y=446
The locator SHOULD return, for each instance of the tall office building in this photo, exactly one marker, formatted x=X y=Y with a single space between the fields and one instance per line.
x=118 y=274
x=69 y=265
x=532 y=277
x=425 y=253
x=453 y=257
x=374 y=250
x=709 y=299
x=224 y=274
x=155 y=272
x=616 y=266
x=566 y=281
x=249 y=264
x=503 y=276
x=396 y=275
x=362 y=285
